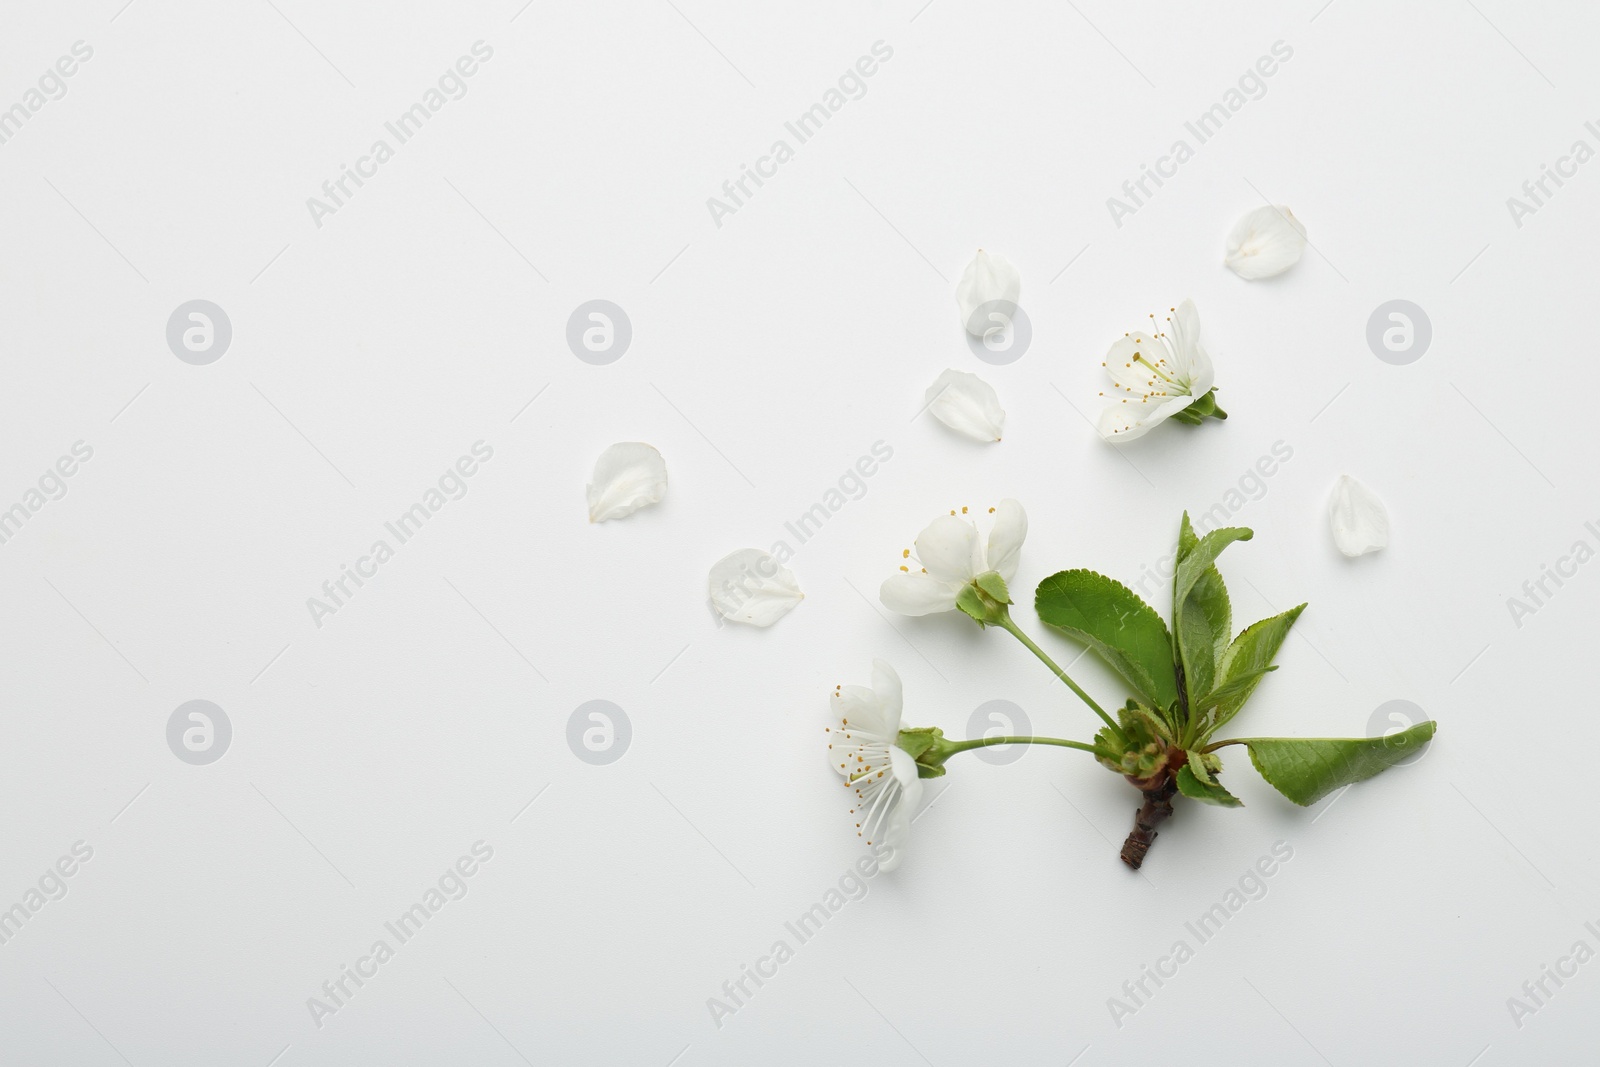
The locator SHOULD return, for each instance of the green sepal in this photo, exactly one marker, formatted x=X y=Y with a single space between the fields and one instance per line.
x=992 y=583
x=918 y=739
x=970 y=601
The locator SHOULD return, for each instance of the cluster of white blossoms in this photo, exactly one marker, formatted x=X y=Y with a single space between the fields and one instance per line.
x=1158 y=373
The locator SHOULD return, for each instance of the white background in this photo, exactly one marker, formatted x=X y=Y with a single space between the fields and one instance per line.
x=768 y=355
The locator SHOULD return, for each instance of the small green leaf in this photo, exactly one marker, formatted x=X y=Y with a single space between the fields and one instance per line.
x=1307 y=769
x=1204 y=626
x=1244 y=664
x=1201 y=556
x=991 y=582
x=1198 y=763
x=1112 y=620
x=1187 y=538
x=1191 y=786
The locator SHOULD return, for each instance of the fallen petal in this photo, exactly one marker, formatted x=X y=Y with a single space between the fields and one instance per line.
x=751 y=587
x=967 y=404
x=1360 y=523
x=1267 y=241
x=987 y=278
x=627 y=476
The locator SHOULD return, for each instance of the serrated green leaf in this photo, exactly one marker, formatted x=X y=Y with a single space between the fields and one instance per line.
x=1191 y=786
x=1307 y=769
x=991 y=582
x=1111 y=619
x=1201 y=615
x=1204 y=627
x=1247 y=660
x=1187 y=538
x=1201 y=556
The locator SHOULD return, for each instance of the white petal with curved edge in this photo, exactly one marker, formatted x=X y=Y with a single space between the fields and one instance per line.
x=1127 y=422
x=917 y=594
x=986 y=278
x=867 y=716
x=886 y=685
x=627 y=476
x=1193 y=364
x=1359 y=521
x=967 y=404
x=896 y=828
x=1266 y=242
x=948 y=548
x=1005 y=538
x=751 y=587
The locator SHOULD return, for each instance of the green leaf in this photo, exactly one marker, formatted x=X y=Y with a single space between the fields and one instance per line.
x=1112 y=620
x=1243 y=666
x=991 y=582
x=1191 y=786
x=1307 y=769
x=1204 y=626
x=1201 y=615
x=1194 y=563
x=1187 y=538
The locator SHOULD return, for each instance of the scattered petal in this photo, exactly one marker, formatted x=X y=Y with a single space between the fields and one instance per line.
x=1360 y=523
x=987 y=278
x=967 y=404
x=1266 y=242
x=627 y=476
x=751 y=587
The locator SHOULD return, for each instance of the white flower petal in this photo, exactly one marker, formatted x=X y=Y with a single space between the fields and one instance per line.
x=627 y=477
x=1266 y=242
x=948 y=549
x=917 y=594
x=895 y=833
x=886 y=684
x=1129 y=421
x=967 y=404
x=1360 y=523
x=986 y=278
x=751 y=587
x=1006 y=537
x=1194 y=366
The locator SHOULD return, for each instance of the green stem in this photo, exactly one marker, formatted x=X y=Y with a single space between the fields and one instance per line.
x=1014 y=630
x=984 y=742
